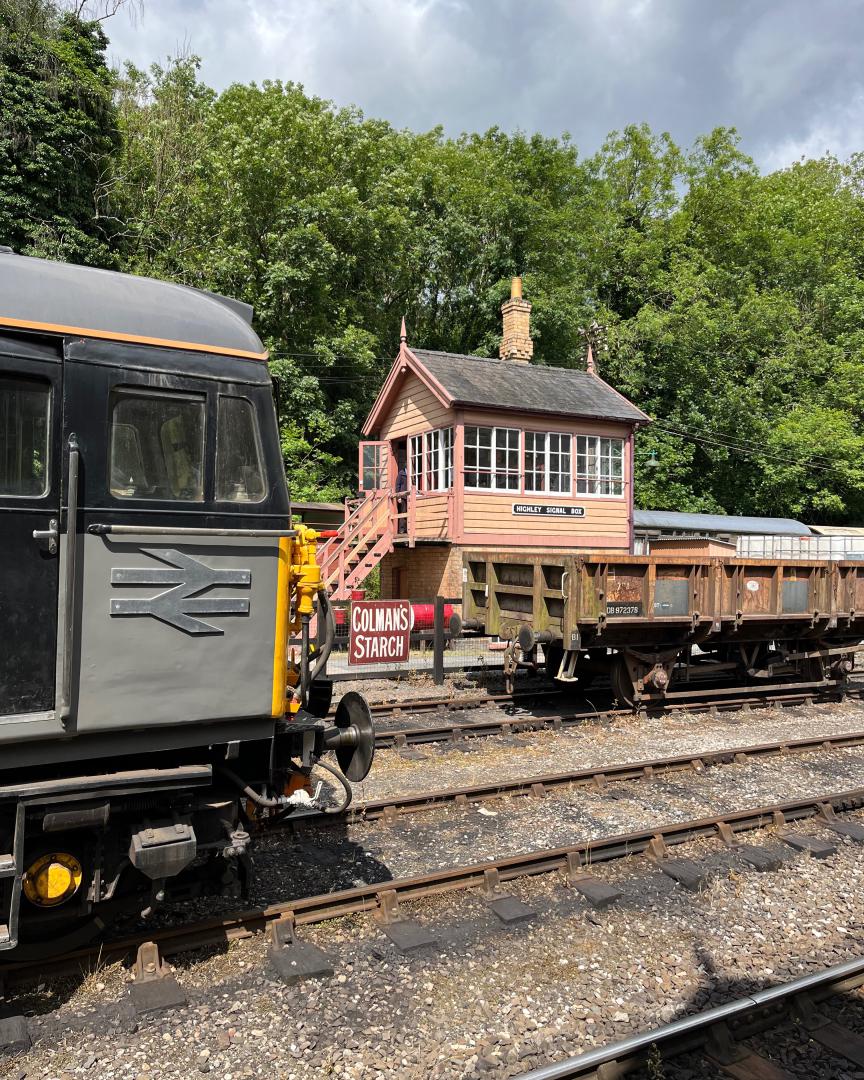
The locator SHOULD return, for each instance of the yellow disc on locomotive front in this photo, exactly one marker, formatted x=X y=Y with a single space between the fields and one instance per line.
x=52 y=879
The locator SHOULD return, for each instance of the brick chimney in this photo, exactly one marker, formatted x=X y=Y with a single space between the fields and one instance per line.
x=516 y=343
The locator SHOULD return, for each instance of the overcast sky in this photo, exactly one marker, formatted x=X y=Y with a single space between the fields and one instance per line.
x=787 y=73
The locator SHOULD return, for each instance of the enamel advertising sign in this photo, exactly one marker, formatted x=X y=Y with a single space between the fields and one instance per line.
x=380 y=632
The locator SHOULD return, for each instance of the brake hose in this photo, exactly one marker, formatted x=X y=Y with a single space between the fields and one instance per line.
x=349 y=794
x=280 y=802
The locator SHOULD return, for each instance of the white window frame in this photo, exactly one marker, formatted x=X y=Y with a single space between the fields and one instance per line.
x=499 y=441
x=588 y=483
x=545 y=453
x=431 y=459
x=446 y=475
x=415 y=459
x=431 y=456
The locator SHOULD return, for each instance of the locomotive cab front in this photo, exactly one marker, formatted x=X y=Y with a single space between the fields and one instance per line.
x=150 y=584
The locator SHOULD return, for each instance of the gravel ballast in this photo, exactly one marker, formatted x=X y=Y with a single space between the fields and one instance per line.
x=488 y=1001
x=492 y=1001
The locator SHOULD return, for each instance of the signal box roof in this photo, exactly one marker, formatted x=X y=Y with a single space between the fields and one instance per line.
x=525 y=387
x=82 y=301
x=458 y=380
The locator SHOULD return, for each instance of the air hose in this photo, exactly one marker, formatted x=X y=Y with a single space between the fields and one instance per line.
x=281 y=802
x=349 y=794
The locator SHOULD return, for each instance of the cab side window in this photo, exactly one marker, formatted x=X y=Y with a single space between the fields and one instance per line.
x=157 y=445
x=239 y=471
x=24 y=411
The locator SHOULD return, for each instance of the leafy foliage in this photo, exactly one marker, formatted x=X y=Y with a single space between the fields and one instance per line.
x=57 y=131
x=732 y=303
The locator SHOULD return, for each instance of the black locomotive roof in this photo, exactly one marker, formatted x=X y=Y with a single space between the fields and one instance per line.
x=83 y=301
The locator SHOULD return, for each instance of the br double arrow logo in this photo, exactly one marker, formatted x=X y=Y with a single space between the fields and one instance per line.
x=179 y=605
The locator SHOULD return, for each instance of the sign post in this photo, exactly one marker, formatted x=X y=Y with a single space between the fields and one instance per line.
x=380 y=632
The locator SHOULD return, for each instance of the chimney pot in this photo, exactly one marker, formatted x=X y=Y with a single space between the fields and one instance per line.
x=516 y=343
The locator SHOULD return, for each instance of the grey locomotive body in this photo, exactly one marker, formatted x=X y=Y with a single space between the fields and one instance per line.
x=149 y=579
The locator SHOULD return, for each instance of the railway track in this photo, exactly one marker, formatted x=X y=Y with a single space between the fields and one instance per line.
x=508 y=724
x=717 y=1034
x=597 y=777
x=394 y=709
x=382 y=899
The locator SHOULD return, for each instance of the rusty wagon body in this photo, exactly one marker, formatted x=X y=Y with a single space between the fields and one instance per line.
x=636 y=617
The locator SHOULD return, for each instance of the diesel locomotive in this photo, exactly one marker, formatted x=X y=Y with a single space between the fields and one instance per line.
x=152 y=705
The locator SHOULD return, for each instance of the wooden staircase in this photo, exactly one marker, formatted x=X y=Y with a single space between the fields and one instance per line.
x=362 y=541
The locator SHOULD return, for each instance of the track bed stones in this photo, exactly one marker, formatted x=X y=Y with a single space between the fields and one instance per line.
x=581 y=976
x=628 y=739
x=575 y=981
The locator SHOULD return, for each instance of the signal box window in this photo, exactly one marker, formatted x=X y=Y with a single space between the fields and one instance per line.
x=24 y=405
x=435 y=448
x=547 y=462
x=492 y=458
x=599 y=466
x=239 y=474
x=157 y=446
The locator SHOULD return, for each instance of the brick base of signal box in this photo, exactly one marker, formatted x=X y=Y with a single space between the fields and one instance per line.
x=422 y=572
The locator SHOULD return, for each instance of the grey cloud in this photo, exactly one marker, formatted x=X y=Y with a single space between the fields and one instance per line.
x=786 y=73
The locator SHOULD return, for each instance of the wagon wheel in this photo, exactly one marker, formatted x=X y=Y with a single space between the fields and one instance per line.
x=812 y=669
x=622 y=684
x=553 y=655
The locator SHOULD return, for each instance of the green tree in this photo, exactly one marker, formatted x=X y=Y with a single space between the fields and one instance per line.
x=58 y=131
x=733 y=303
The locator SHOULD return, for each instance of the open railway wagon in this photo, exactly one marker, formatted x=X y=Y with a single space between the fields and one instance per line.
x=151 y=712
x=653 y=624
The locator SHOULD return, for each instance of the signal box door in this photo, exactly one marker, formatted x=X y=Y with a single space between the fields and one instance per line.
x=374 y=466
x=30 y=412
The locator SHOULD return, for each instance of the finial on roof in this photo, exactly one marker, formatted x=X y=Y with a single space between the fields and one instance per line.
x=403 y=333
x=589 y=366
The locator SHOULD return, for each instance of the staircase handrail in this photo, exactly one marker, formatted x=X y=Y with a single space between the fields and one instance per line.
x=349 y=525
x=351 y=529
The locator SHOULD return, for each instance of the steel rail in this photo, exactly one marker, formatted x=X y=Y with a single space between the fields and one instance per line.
x=450 y=704
x=398 y=738
x=691 y=1032
x=597 y=776
x=380 y=896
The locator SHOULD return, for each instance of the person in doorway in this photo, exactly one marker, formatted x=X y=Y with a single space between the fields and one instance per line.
x=402 y=498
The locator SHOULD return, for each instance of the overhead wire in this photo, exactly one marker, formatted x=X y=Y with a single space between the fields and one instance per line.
x=747 y=450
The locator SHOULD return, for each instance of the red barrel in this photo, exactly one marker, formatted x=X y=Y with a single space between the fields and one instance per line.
x=423 y=616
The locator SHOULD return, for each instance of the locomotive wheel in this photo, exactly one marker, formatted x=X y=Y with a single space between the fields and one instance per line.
x=37 y=943
x=54 y=916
